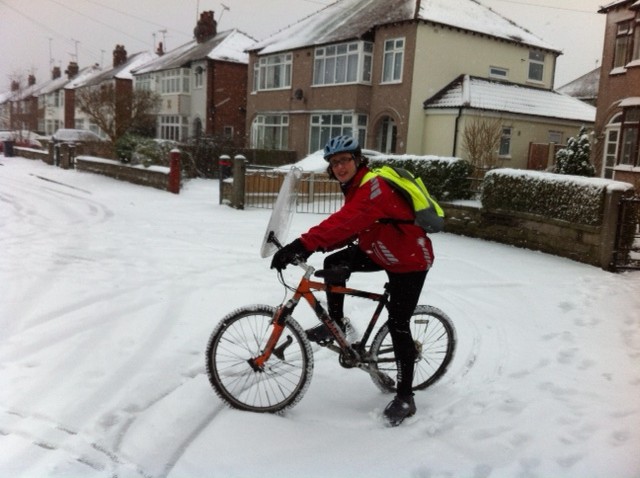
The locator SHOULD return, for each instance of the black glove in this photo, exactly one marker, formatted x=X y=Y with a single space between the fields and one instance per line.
x=290 y=254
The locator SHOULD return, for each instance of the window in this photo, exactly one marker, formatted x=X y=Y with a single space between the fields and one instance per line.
x=143 y=82
x=256 y=76
x=273 y=72
x=630 y=134
x=228 y=132
x=636 y=41
x=497 y=72
x=505 y=142
x=270 y=132
x=536 y=65
x=623 y=44
x=393 y=59
x=326 y=126
x=555 y=137
x=198 y=77
x=612 y=136
x=174 y=81
x=51 y=126
x=343 y=63
x=173 y=127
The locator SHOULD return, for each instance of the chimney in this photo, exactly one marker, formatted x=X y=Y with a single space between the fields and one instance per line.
x=15 y=85
x=55 y=73
x=119 y=56
x=72 y=70
x=31 y=80
x=206 y=27
x=160 y=50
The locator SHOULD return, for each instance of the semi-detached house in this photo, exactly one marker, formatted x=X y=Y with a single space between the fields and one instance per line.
x=202 y=84
x=617 y=151
x=404 y=76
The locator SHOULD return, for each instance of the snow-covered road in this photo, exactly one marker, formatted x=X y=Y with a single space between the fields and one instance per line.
x=109 y=291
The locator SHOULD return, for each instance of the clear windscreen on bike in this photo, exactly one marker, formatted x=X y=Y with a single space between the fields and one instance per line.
x=282 y=213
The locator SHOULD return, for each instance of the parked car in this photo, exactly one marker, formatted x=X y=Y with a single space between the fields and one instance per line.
x=68 y=135
x=25 y=139
x=315 y=162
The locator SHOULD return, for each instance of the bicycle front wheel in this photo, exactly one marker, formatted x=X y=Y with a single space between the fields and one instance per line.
x=435 y=339
x=241 y=336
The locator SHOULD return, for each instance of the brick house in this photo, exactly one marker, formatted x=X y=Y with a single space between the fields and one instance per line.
x=118 y=76
x=5 y=105
x=617 y=151
x=202 y=84
x=23 y=106
x=367 y=67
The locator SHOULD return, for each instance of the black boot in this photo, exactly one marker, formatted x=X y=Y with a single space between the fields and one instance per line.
x=398 y=409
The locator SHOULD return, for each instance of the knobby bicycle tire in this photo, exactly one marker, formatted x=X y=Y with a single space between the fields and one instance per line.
x=280 y=383
x=435 y=339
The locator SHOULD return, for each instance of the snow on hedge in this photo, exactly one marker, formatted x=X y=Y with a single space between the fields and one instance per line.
x=575 y=199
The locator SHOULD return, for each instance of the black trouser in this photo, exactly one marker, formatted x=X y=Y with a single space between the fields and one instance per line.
x=404 y=293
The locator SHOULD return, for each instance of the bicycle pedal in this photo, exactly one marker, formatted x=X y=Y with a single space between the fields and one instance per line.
x=324 y=343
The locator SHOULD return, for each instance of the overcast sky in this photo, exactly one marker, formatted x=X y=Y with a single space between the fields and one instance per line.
x=38 y=34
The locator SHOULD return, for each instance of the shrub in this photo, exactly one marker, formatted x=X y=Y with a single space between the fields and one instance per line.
x=135 y=149
x=569 y=198
x=574 y=159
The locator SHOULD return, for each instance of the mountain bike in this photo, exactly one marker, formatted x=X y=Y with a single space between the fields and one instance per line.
x=259 y=358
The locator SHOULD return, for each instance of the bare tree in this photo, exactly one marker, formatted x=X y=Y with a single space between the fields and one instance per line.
x=481 y=139
x=117 y=114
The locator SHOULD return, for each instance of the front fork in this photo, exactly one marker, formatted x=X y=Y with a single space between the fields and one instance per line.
x=278 y=322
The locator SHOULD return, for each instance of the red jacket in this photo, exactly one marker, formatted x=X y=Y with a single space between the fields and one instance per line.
x=396 y=247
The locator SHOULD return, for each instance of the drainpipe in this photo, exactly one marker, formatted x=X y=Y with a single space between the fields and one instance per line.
x=455 y=132
x=466 y=101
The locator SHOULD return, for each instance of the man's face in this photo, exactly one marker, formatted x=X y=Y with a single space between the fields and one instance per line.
x=343 y=166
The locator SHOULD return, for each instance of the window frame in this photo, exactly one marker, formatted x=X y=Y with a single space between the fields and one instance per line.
x=175 y=82
x=622 y=46
x=609 y=157
x=358 y=55
x=262 y=123
x=273 y=72
x=198 y=77
x=498 y=72
x=340 y=123
x=393 y=60
x=635 y=54
x=173 y=127
x=504 y=148
x=629 y=157
x=534 y=63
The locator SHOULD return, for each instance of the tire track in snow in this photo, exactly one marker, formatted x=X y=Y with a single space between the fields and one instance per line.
x=47 y=434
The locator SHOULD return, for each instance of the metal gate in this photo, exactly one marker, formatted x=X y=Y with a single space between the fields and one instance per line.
x=627 y=251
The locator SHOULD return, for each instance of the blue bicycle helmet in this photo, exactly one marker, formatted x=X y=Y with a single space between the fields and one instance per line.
x=342 y=144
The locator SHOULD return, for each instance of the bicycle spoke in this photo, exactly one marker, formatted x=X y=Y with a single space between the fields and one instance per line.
x=283 y=378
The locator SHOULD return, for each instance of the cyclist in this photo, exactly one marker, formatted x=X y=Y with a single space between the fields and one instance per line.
x=382 y=222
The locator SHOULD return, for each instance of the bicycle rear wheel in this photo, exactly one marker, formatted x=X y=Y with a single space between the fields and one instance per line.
x=435 y=339
x=241 y=336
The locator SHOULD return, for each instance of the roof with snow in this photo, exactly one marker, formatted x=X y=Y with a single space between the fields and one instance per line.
x=352 y=19
x=53 y=85
x=584 y=87
x=121 y=71
x=229 y=46
x=85 y=75
x=620 y=3
x=471 y=92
